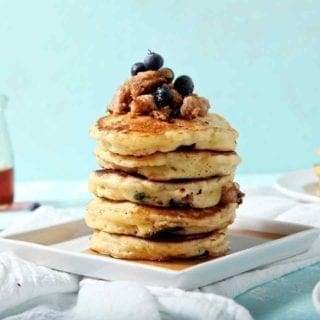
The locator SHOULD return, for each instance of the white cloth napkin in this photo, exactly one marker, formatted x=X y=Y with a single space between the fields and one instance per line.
x=33 y=292
x=28 y=291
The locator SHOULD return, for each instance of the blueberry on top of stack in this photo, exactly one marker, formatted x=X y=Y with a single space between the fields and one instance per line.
x=166 y=185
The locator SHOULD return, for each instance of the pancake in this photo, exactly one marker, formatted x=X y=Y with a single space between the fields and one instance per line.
x=189 y=164
x=146 y=221
x=128 y=247
x=119 y=186
x=143 y=135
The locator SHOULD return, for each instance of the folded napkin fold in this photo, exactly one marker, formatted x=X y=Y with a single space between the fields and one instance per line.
x=22 y=281
x=28 y=291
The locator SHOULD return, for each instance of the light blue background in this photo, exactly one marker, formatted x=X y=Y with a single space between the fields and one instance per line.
x=257 y=61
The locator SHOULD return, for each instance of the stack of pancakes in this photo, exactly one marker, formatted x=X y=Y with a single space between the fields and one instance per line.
x=166 y=188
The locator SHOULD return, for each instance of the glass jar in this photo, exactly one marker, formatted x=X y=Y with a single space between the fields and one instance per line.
x=6 y=159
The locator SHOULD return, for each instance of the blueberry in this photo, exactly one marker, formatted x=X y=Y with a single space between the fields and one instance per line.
x=139 y=196
x=184 y=85
x=138 y=67
x=163 y=96
x=168 y=73
x=153 y=61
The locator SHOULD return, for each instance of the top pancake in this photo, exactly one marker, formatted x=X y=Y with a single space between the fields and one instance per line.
x=143 y=135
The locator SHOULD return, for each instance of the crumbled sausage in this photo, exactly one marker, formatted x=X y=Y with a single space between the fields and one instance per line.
x=167 y=73
x=231 y=194
x=144 y=82
x=135 y=96
x=194 y=106
x=170 y=85
x=176 y=99
x=121 y=100
x=142 y=105
x=240 y=194
x=162 y=114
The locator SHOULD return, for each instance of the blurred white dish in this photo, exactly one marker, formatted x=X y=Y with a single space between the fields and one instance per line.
x=300 y=185
x=316 y=297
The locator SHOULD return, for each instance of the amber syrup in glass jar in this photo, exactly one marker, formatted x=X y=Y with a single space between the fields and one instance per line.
x=6 y=187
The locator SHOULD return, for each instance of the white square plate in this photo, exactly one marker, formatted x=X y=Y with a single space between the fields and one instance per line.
x=253 y=242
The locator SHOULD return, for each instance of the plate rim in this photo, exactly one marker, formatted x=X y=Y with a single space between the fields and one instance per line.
x=305 y=197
